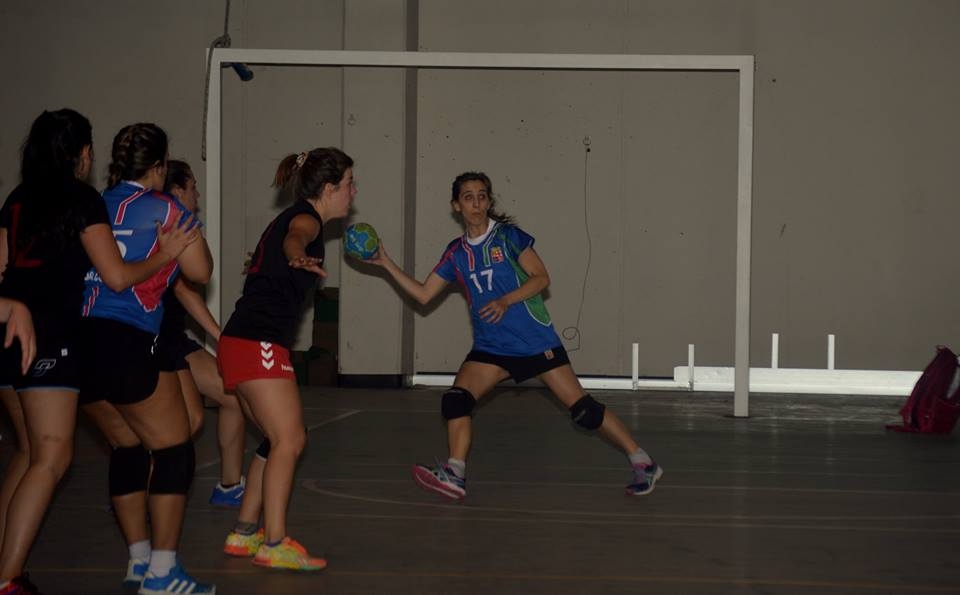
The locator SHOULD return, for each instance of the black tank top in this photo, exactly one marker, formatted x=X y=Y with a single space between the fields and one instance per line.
x=273 y=293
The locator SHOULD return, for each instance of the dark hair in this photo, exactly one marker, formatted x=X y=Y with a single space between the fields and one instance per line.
x=304 y=175
x=178 y=174
x=48 y=169
x=479 y=176
x=136 y=149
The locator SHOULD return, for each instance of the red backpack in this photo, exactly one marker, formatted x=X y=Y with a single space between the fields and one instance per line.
x=934 y=404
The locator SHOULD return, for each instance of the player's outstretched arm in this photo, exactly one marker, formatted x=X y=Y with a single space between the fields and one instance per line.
x=424 y=292
x=302 y=231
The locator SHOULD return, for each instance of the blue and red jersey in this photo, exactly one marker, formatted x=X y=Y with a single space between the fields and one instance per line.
x=134 y=213
x=487 y=267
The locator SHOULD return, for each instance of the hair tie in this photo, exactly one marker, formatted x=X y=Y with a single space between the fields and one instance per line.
x=300 y=159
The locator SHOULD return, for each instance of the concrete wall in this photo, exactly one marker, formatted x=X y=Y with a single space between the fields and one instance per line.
x=855 y=175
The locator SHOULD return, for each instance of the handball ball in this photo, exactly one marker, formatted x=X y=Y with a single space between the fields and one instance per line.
x=360 y=240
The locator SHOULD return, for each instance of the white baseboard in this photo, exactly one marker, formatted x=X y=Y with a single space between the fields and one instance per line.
x=762 y=380
x=801 y=380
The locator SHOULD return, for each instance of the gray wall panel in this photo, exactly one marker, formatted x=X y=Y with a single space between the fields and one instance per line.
x=855 y=162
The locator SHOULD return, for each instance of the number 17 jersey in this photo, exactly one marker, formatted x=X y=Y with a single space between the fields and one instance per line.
x=487 y=267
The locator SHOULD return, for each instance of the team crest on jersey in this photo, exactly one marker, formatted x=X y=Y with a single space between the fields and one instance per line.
x=496 y=254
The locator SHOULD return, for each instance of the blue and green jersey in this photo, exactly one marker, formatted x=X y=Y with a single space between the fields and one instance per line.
x=488 y=268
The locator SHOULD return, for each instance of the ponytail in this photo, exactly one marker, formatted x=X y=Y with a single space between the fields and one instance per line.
x=305 y=174
x=285 y=171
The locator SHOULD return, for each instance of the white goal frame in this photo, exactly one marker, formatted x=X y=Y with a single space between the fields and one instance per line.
x=742 y=65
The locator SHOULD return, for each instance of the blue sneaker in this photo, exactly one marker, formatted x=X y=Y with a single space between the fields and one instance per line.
x=229 y=497
x=644 y=478
x=441 y=479
x=136 y=569
x=178 y=581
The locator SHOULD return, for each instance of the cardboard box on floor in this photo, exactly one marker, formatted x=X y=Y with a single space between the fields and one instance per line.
x=326 y=336
x=326 y=313
x=318 y=366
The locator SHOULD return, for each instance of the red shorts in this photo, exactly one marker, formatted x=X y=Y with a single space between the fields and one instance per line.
x=241 y=360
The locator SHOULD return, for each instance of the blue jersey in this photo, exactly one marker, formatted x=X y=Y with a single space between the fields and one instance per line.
x=488 y=269
x=134 y=213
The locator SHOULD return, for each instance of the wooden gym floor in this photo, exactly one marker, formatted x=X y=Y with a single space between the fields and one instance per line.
x=809 y=495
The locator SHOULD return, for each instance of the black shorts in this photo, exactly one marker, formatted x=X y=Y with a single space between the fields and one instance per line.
x=119 y=362
x=56 y=366
x=523 y=367
x=172 y=351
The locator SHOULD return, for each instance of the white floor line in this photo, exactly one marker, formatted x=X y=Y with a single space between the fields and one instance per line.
x=349 y=413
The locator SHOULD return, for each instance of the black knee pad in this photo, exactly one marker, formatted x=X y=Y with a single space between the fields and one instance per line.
x=173 y=469
x=129 y=470
x=457 y=402
x=588 y=413
x=263 y=451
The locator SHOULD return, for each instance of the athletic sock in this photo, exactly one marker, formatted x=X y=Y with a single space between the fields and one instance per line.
x=245 y=528
x=640 y=457
x=458 y=466
x=162 y=562
x=140 y=550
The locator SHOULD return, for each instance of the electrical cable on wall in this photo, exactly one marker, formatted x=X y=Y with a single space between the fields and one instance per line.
x=572 y=333
x=242 y=70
